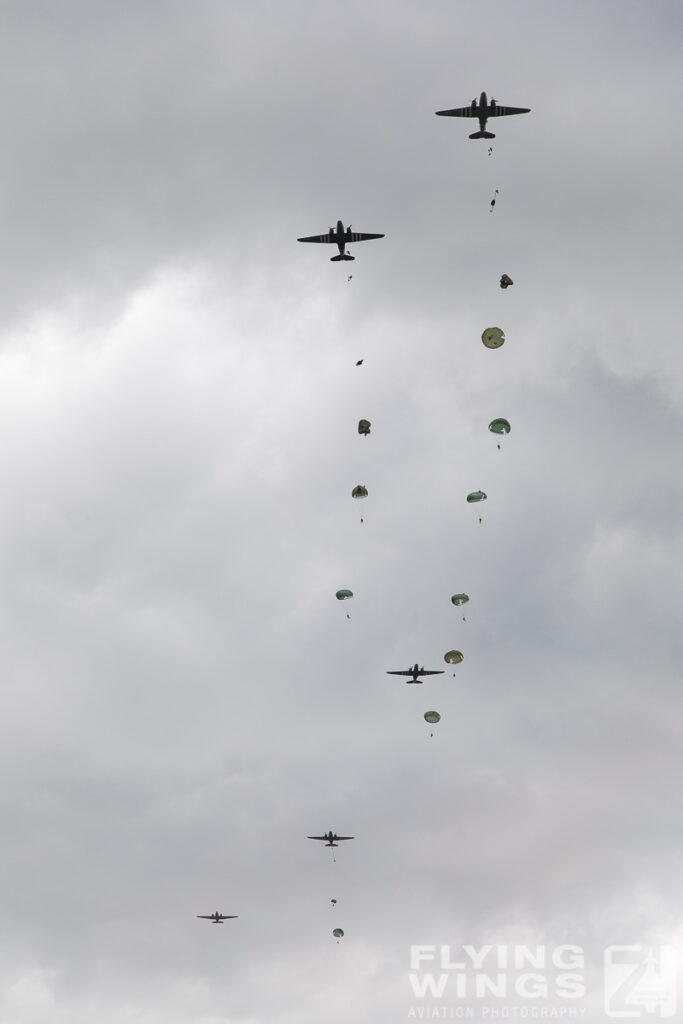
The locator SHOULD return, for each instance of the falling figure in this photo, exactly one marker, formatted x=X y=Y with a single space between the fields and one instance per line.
x=490 y=150
x=493 y=201
x=359 y=363
x=349 y=278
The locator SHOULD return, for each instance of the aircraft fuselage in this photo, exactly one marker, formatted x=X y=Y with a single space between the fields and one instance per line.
x=340 y=238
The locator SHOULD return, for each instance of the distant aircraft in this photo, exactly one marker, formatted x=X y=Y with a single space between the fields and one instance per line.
x=415 y=671
x=331 y=838
x=483 y=110
x=341 y=237
x=217 y=918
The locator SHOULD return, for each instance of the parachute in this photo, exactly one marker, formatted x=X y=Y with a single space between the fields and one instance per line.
x=459 y=599
x=476 y=496
x=506 y=281
x=359 y=491
x=364 y=427
x=493 y=337
x=344 y=595
x=453 y=657
x=499 y=426
x=338 y=933
x=432 y=717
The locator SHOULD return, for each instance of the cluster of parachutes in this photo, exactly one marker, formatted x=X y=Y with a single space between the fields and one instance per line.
x=492 y=338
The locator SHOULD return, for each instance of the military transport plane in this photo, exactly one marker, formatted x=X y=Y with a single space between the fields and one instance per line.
x=341 y=237
x=331 y=838
x=415 y=671
x=483 y=110
x=217 y=918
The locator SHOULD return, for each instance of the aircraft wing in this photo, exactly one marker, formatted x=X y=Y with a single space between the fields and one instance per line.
x=459 y=112
x=358 y=236
x=318 y=837
x=319 y=238
x=344 y=837
x=399 y=672
x=501 y=111
x=432 y=672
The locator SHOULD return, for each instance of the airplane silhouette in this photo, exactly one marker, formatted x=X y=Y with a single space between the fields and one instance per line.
x=482 y=110
x=415 y=671
x=216 y=918
x=330 y=837
x=341 y=237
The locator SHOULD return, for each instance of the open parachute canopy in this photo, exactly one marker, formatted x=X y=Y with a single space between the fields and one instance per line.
x=338 y=933
x=493 y=337
x=459 y=599
x=506 y=281
x=476 y=496
x=364 y=426
x=359 y=491
x=344 y=595
x=453 y=657
x=432 y=717
x=499 y=426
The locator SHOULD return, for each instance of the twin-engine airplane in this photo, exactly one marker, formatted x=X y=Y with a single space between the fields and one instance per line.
x=330 y=838
x=217 y=918
x=341 y=237
x=415 y=671
x=483 y=110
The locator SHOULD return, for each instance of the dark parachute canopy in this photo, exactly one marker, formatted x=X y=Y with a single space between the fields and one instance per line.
x=453 y=657
x=359 y=491
x=432 y=717
x=459 y=599
x=476 y=496
x=364 y=427
x=493 y=337
x=499 y=426
x=344 y=595
x=506 y=281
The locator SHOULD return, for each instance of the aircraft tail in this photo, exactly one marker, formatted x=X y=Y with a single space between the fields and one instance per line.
x=342 y=256
x=482 y=135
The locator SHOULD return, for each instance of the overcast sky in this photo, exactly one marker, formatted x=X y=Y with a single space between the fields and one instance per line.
x=183 y=700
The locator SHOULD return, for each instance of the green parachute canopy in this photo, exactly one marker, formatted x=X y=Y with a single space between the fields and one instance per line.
x=476 y=496
x=453 y=657
x=432 y=717
x=338 y=933
x=359 y=491
x=493 y=337
x=506 y=281
x=364 y=426
x=344 y=595
x=499 y=426
x=459 y=599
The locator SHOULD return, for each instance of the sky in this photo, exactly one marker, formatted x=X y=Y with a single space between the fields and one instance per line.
x=184 y=700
